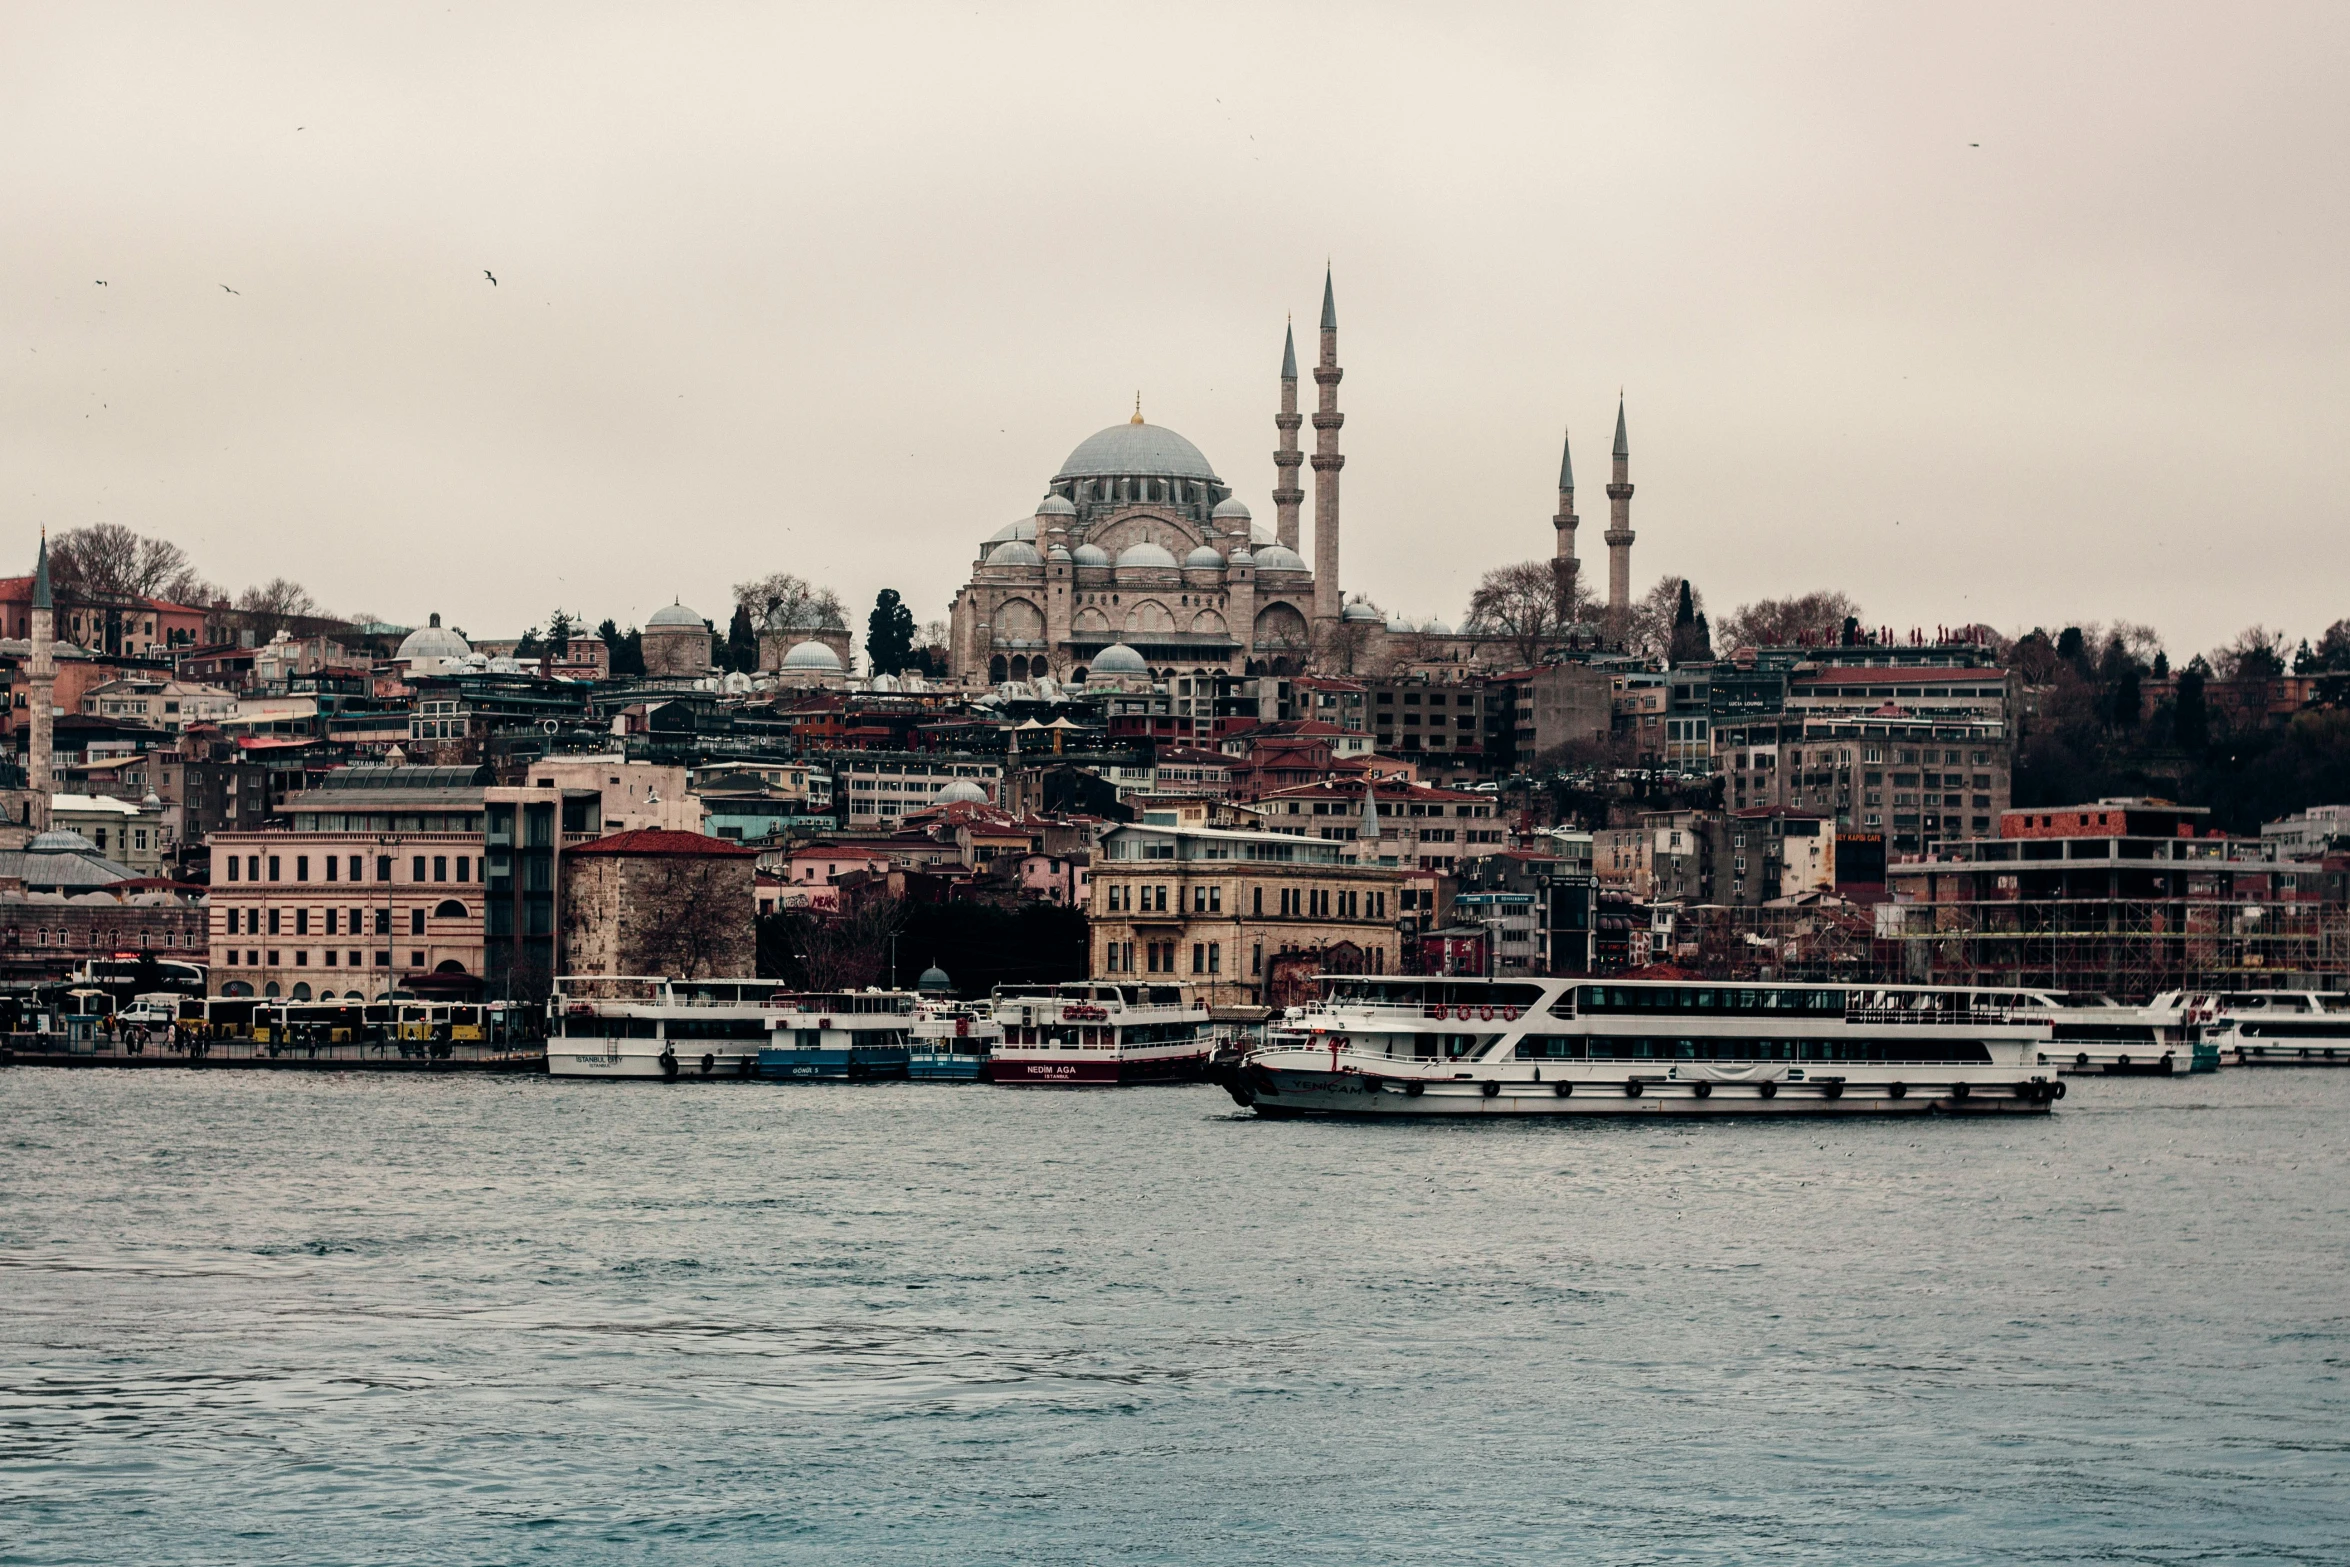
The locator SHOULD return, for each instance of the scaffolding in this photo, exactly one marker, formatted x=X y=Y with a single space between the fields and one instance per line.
x=2129 y=949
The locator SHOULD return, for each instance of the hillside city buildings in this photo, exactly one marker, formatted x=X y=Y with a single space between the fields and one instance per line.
x=1151 y=711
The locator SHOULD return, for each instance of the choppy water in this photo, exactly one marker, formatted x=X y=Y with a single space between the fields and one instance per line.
x=274 y=1318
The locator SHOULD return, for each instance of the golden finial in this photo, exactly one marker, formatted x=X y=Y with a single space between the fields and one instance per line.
x=1137 y=419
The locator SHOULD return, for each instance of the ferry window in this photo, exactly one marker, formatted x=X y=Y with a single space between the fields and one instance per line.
x=1550 y=1047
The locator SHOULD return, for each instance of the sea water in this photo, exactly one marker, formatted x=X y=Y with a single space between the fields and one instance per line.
x=257 y=1317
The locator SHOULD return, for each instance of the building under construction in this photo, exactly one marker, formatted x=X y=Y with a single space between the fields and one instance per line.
x=2125 y=897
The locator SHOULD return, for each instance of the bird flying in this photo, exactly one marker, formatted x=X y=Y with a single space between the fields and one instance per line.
x=226 y=289
x=492 y=276
x=101 y=282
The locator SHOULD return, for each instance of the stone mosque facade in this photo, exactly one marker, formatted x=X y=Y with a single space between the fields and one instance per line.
x=1139 y=547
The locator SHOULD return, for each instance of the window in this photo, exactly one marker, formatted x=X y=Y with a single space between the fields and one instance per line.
x=332 y=865
x=332 y=920
x=383 y=924
x=416 y=868
x=273 y=867
x=1257 y=900
x=252 y=867
x=273 y=915
x=301 y=922
x=301 y=867
x=464 y=867
x=1199 y=958
x=1215 y=957
x=232 y=867
x=440 y=867
x=1256 y=958
x=383 y=867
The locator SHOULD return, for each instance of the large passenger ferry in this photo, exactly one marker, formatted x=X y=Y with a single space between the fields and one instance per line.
x=1430 y=1046
x=605 y=1026
x=1087 y=1033
x=2271 y=1027
x=648 y=1026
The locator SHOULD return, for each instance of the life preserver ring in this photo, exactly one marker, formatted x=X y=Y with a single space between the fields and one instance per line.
x=668 y=1062
x=1564 y=1089
x=709 y=1063
x=2056 y=1090
x=1831 y=1090
x=2123 y=1061
x=1958 y=1093
x=1415 y=1089
x=1703 y=1090
x=1491 y=1088
x=1510 y=1015
x=1632 y=1088
x=1485 y=1014
x=1897 y=1090
x=1769 y=1089
x=2082 y=1059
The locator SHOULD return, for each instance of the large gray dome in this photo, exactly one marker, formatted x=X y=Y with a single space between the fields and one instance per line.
x=673 y=615
x=812 y=656
x=432 y=642
x=1145 y=553
x=1278 y=557
x=1119 y=659
x=1136 y=450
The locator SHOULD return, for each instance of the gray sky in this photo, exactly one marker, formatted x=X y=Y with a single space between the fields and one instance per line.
x=835 y=289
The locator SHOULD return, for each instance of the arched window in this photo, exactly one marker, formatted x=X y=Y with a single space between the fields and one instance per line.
x=269 y=989
x=450 y=909
x=450 y=966
x=236 y=987
x=996 y=671
x=301 y=992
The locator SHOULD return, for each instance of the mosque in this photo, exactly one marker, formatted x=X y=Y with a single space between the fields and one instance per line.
x=1140 y=560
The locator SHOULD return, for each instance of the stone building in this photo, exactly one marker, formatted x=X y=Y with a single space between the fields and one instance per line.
x=1217 y=910
x=1138 y=541
x=676 y=644
x=651 y=901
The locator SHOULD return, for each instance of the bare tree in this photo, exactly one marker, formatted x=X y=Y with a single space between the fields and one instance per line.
x=108 y=560
x=1817 y=618
x=694 y=915
x=1650 y=630
x=2257 y=654
x=271 y=606
x=789 y=602
x=851 y=950
x=1520 y=604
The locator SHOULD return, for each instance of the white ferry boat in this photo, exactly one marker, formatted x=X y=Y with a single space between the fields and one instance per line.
x=952 y=1041
x=2271 y=1027
x=1430 y=1046
x=1088 y=1033
x=649 y=1026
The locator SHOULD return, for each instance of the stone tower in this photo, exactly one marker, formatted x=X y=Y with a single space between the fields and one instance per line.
x=1619 y=533
x=42 y=672
x=1287 y=496
x=1328 y=601
x=1563 y=565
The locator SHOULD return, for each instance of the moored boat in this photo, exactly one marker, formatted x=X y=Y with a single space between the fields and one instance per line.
x=1404 y=1046
x=650 y=1026
x=1090 y=1033
x=840 y=1036
x=951 y=1041
x=2277 y=1027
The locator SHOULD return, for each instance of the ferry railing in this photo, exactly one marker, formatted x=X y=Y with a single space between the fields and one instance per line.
x=1943 y=1017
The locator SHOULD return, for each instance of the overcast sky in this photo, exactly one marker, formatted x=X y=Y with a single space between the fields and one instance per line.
x=2004 y=313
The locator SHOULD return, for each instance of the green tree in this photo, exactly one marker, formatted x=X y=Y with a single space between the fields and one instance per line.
x=561 y=628
x=2190 y=719
x=742 y=642
x=627 y=649
x=889 y=634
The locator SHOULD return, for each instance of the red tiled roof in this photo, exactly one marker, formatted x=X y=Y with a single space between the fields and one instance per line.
x=661 y=840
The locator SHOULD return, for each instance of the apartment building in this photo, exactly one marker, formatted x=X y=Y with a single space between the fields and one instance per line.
x=1215 y=909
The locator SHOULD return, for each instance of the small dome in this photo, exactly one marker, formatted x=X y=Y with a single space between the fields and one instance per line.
x=60 y=840
x=934 y=982
x=1359 y=610
x=1090 y=555
x=1144 y=554
x=813 y=656
x=430 y=641
x=1243 y=556
x=505 y=666
x=1231 y=509
x=1204 y=558
x=1016 y=552
x=1279 y=557
x=1260 y=533
x=1052 y=506
x=962 y=789
x=1398 y=624
x=1058 y=554
x=1119 y=659
x=1436 y=628
x=673 y=615
x=1025 y=528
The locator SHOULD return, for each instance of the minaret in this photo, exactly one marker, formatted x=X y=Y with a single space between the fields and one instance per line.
x=43 y=673
x=1287 y=496
x=1327 y=600
x=1563 y=565
x=1619 y=533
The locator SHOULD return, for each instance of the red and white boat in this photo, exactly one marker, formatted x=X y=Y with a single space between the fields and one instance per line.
x=1090 y=1034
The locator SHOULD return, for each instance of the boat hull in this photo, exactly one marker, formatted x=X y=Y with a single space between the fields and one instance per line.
x=2159 y=1061
x=581 y=1058
x=945 y=1068
x=1102 y=1071
x=1278 y=1091
x=874 y=1063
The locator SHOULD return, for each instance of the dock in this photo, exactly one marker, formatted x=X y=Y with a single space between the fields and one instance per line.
x=243 y=1055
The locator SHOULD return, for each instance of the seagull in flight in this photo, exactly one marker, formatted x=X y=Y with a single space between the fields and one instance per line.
x=225 y=288
x=492 y=276
x=101 y=282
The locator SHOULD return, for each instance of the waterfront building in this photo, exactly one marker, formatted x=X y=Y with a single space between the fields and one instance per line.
x=653 y=901
x=1216 y=909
